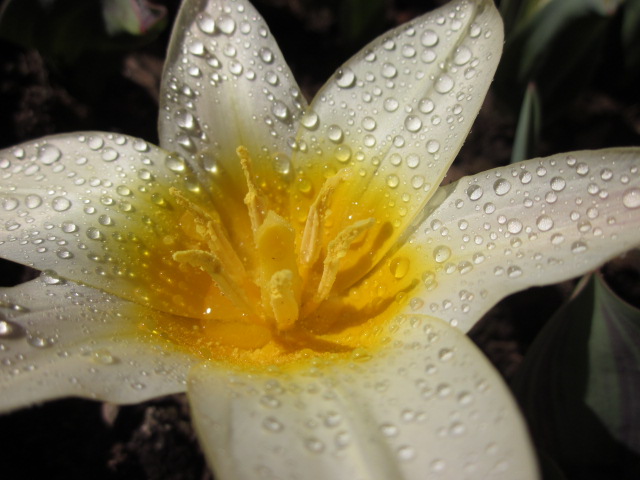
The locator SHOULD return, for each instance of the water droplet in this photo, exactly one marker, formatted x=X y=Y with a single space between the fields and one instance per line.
x=109 y=154
x=49 y=154
x=412 y=123
x=429 y=38
x=462 y=55
x=310 y=120
x=335 y=134
x=426 y=105
x=391 y=104
x=69 y=227
x=433 y=146
x=272 y=425
x=39 y=341
x=33 y=201
x=501 y=186
x=60 y=204
x=11 y=330
x=544 y=223
x=368 y=124
x=345 y=78
x=206 y=24
x=226 y=24
x=578 y=247
x=280 y=110
x=104 y=357
x=266 y=55
x=444 y=84
x=10 y=203
x=343 y=153
x=314 y=445
x=631 y=198
x=393 y=181
x=514 y=272
x=514 y=226
x=474 y=192
x=389 y=70
x=558 y=184
x=406 y=453
x=441 y=253
x=400 y=267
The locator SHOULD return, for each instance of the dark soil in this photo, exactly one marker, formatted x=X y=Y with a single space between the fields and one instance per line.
x=75 y=439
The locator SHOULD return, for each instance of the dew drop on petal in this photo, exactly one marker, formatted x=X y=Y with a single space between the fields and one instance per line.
x=631 y=198
x=441 y=253
x=444 y=84
x=345 y=78
x=60 y=204
x=544 y=223
x=474 y=192
x=429 y=38
x=501 y=186
x=49 y=154
x=412 y=123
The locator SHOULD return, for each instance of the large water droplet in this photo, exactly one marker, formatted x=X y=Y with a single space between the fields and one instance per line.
x=441 y=253
x=412 y=123
x=444 y=84
x=49 y=154
x=501 y=186
x=345 y=78
x=429 y=38
x=60 y=204
x=11 y=330
x=226 y=24
x=631 y=198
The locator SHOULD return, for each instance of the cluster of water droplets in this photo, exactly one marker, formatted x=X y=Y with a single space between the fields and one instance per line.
x=226 y=76
x=83 y=342
x=401 y=107
x=89 y=207
x=527 y=224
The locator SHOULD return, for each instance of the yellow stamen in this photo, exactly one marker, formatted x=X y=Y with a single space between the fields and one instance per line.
x=275 y=240
x=336 y=251
x=311 y=243
x=283 y=301
x=210 y=227
x=253 y=200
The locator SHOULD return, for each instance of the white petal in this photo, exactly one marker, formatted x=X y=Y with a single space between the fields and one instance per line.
x=59 y=340
x=226 y=84
x=396 y=115
x=533 y=223
x=95 y=208
x=432 y=405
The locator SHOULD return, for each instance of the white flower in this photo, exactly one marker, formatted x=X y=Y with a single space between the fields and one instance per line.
x=296 y=269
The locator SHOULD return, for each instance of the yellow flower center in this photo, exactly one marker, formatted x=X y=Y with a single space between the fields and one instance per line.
x=303 y=287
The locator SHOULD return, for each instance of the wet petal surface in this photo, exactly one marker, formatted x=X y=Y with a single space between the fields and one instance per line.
x=432 y=404
x=60 y=339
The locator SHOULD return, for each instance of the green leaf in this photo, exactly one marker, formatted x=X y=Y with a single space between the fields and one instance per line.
x=525 y=144
x=631 y=34
x=579 y=385
x=558 y=47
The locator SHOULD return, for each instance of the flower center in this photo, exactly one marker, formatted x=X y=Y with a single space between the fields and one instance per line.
x=293 y=291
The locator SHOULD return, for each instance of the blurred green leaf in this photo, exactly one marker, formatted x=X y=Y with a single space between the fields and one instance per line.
x=63 y=30
x=558 y=45
x=631 y=34
x=358 y=19
x=525 y=144
x=579 y=385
